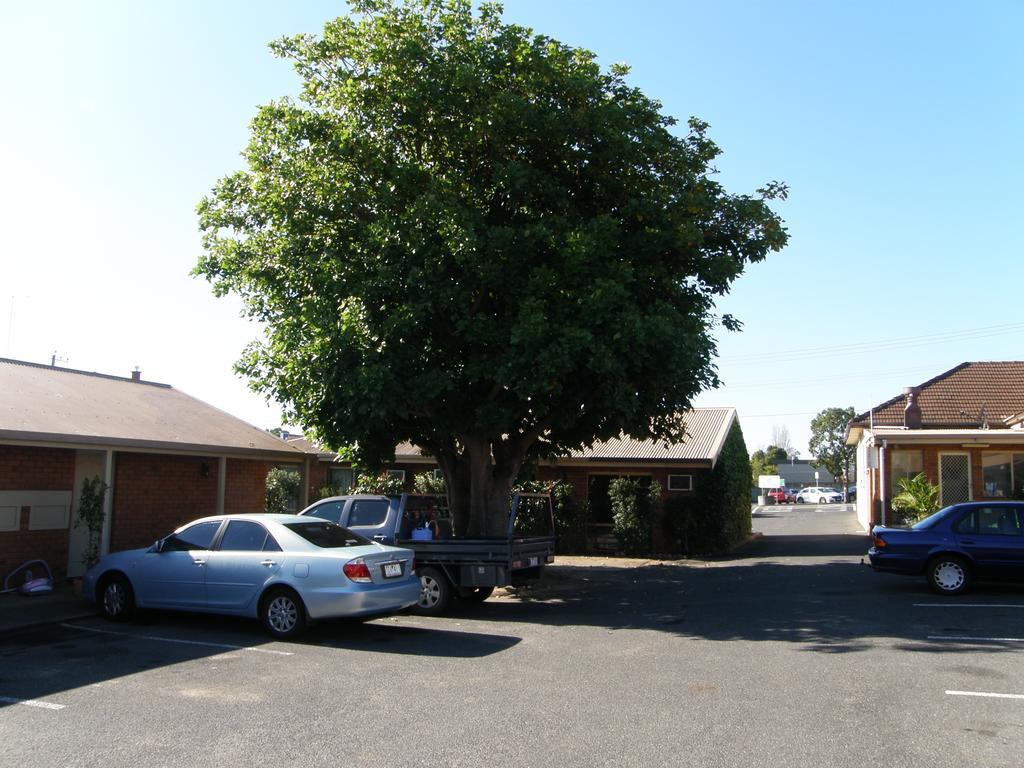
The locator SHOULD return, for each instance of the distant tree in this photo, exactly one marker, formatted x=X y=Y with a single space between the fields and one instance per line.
x=780 y=438
x=467 y=235
x=828 y=442
x=761 y=464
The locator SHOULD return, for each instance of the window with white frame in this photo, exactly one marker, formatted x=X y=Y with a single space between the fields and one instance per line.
x=680 y=482
x=398 y=474
x=905 y=465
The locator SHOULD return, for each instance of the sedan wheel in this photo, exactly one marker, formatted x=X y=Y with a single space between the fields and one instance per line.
x=283 y=614
x=117 y=601
x=949 y=575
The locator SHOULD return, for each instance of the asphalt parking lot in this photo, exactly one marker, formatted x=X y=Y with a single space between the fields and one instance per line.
x=790 y=653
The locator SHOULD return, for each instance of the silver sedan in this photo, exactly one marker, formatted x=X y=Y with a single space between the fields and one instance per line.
x=284 y=570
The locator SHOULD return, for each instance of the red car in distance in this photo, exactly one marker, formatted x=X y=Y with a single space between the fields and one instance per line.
x=782 y=495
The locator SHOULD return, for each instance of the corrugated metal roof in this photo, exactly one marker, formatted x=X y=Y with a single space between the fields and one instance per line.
x=969 y=395
x=45 y=403
x=706 y=429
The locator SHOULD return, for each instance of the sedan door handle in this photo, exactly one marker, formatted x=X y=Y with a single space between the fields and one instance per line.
x=199 y=562
x=268 y=562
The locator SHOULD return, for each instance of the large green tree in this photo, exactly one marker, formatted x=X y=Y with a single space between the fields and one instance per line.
x=468 y=235
x=828 y=442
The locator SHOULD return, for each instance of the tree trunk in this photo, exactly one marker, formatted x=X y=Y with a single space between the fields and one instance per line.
x=479 y=489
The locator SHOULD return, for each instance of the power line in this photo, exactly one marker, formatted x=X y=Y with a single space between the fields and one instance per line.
x=875 y=346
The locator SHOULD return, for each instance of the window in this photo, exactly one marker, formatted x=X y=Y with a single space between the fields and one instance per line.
x=990 y=521
x=329 y=510
x=247 y=536
x=198 y=536
x=327 y=535
x=366 y=512
x=997 y=474
x=680 y=482
x=1003 y=475
x=340 y=479
x=398 y=474
x=905 y=464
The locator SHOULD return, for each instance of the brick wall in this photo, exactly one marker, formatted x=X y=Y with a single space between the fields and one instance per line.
x=35 y=469
x=245 y=486
x=154 y=493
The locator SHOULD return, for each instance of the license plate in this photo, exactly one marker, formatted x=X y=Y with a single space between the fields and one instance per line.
x=392 y=570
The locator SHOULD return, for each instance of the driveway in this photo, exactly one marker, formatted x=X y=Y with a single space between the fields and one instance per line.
x=789 y=653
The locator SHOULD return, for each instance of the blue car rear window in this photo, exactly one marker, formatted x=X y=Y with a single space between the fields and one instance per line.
x=327 y=535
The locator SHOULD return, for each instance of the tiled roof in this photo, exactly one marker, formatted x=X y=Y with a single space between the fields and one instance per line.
x=966 y=396
x=706 y=429
x=46 y=403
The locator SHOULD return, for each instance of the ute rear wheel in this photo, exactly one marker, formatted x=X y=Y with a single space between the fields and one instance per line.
x=949 y=575
x=435 y=592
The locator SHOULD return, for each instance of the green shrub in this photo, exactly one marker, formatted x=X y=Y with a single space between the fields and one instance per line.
x=382 y=484
x=427 y=482
x=570 y=517
x=632 y=507
x=90 y=516
x=717 y=516
x=916 y=500
x=282 y=490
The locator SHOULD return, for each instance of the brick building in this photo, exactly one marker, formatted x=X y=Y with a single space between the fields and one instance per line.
x=964 y=429
x=165 y=457
x=678 y=468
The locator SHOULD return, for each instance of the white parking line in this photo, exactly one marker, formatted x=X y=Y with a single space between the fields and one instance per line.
x=978 y=639
x=31 y=703
x=968 y=605
x=179 y=641
x=986 y=695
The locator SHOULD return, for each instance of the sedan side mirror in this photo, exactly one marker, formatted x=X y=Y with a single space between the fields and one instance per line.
x=158 y=545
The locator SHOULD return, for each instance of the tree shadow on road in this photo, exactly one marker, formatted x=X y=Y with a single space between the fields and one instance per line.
x=810 y=591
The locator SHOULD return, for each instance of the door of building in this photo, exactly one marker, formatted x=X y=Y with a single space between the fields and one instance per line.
x=954 y=478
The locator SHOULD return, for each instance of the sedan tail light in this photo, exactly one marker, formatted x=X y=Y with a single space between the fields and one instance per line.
x=879 y=542
x=357 y=570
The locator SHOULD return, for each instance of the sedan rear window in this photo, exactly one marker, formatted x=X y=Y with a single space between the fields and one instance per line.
x=327 y=535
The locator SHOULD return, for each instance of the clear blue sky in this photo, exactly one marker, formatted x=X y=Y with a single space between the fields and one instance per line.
x=898 y=127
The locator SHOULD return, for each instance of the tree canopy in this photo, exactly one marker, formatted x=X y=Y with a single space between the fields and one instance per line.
x=467 y=235
x=765 y=461
x=828 y=441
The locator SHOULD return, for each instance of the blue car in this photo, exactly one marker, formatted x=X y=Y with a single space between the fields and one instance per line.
x=975 y=540
x=282 y=569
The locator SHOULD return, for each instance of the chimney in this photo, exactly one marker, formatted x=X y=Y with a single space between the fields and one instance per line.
x=136 y=374
x=912 y=413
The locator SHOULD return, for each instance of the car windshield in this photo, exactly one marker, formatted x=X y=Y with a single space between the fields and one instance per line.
x=327 y=535
x=931 y=520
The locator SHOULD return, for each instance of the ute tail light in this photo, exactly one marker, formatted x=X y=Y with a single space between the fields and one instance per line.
x=357 y=570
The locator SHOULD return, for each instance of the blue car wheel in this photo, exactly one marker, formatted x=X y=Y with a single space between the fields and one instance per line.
x=949 y=575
